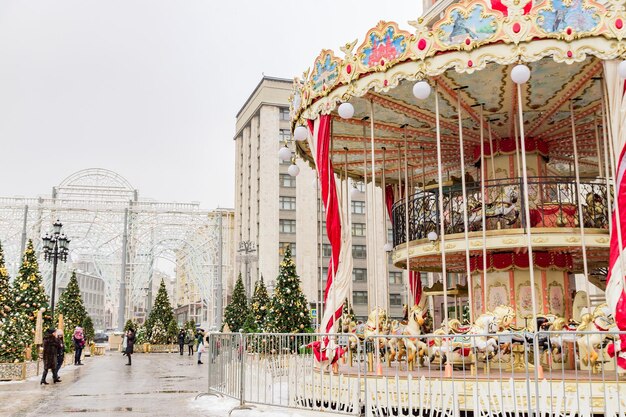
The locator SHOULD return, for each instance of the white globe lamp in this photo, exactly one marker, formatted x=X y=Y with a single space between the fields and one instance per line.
x=284 y=154
x=421 y=90
x=293 y=170
x=300 y=133
x=388 y=247
x=346 y=110
x=432 y=236
x=520 y=74
x=621 y=69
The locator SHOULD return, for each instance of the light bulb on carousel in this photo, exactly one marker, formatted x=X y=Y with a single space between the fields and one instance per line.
x=520 y=74
x=293 y=169
x=285 y=153
x=388 y=247
x=300 y=133
x=421 y=90
x=346 y=111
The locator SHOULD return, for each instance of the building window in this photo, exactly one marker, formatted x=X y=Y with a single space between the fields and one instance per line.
x=395 y=277
x=359 y=297
x=287 y=226
x=358 y=229
x=395 y=299
x=287 y=181
x=360 y=186
x=284 y=135
x=359 y=252
x=282 y=247
x=284 y=113
x=359 y=274
x=358 y=207
x=287 y=203
x=326 y=250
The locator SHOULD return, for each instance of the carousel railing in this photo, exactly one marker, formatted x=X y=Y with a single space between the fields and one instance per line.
x=517 y=373
x=553 y=203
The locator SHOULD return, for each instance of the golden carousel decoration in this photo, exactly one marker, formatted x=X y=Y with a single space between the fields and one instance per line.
x=494 y=132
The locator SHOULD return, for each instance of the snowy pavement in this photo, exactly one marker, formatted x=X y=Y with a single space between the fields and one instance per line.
x=158 y=384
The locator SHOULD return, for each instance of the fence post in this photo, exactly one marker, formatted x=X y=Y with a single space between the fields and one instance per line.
x=242 y=392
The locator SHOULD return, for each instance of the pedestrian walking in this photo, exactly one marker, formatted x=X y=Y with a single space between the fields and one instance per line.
x=79 y=343
x=130 y=344
x=61 y=350
x=50 y=350
x=201 y=348
x=190 y=341
x=181 y=341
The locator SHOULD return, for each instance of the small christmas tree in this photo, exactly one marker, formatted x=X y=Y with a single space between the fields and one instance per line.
x=141 y=336
x=259 y=306
x=5 y=293
x=161 y=311
x=172 y=331
x=88 y=329
x=190 y=325
x=159 y=334
x=30 y=295
x=71 y=305
x=289 y=312
x=130 y=325
x=237 y=311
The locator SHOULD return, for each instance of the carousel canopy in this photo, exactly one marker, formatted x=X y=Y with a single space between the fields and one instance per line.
x=466 y=57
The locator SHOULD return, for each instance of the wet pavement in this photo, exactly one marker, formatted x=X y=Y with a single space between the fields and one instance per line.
x=158 y=384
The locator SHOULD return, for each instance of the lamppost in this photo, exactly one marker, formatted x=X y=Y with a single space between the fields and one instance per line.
x=55 y=249
x=246 y=249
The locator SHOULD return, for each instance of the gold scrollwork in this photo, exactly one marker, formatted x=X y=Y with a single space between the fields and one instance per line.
x=540 y=240
x=572 y=239
x=510 y=241
x=602 y=240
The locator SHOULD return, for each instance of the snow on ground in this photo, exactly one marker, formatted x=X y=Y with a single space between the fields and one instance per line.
x=220 y=406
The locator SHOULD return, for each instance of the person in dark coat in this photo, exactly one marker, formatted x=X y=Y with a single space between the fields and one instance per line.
x=79 y=343
x=181 y=341
x=190 y=341
x=50 y=350
x=130 y=344
x=61 y=351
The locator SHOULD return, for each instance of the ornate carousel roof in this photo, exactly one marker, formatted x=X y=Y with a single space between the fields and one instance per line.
x=467 y=56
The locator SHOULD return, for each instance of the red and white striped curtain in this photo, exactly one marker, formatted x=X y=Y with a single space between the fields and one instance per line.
x=615 y=291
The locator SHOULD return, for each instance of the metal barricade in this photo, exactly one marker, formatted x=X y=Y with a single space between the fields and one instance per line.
x=502 y=374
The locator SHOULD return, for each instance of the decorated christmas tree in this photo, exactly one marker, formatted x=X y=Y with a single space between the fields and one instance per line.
x=141 y=336
x=5 y=293
x=237 y=311
x=172 y=331
x=159 y=334
x=289 y=312
x=130 y=325
x=259 y=306
x=161 y=311
x=30 y=295
x=14 y=337
x=71 y=306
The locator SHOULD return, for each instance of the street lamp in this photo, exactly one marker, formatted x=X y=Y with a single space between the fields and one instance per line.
x=247 y=248
x=55 y=249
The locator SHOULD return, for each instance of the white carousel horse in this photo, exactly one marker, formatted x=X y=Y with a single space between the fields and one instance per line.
x=412 y=346
x=476 y=339
x=601 y=321
x=503 y=207
x=377 y=325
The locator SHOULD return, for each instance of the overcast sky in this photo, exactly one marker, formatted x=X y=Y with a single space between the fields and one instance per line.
x=150 y=88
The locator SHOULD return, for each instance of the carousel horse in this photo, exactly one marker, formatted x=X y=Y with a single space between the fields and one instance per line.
x=601 y=321
x=475 y=340
x=595 y=211
x=503 y=207
x=377 y=325
x=411 y=346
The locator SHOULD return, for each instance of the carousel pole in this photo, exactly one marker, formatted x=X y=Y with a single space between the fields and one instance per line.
x=517 y=149
x=321 y=289
x=384 y=188
x=334 y=287
x=483 y=170
x=369 y=304
x=349 y=218
x=442 y=228
x=493 y=166
x=607 y=172
x=465 y=219
x=406 y=221
x=531 y=266
x=598 y=151
x=581 y=219
x=374 y=240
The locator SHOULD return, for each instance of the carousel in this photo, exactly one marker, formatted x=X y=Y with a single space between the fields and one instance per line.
x=493 y=132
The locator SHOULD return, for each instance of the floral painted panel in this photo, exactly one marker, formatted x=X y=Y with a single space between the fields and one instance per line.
x=383 y=47
x=569 y=14
x=325 y=73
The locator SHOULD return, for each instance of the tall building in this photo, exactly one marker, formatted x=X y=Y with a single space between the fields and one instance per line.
x=274 y=209
x=92 y=291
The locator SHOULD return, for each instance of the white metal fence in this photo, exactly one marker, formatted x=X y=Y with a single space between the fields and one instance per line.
x=505 y=374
